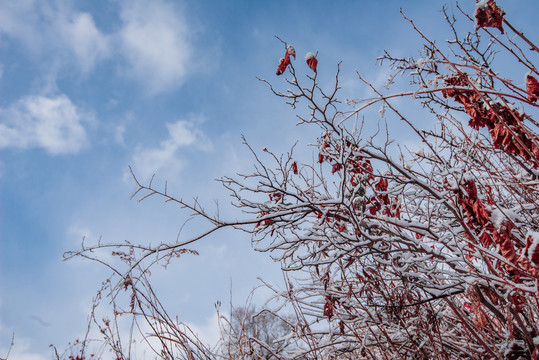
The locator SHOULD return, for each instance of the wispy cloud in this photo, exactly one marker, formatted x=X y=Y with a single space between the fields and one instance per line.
x=20 y=20
x=152 y=41
x=21 y=348
x=55 y=32
x=81 y=36
x=182 y=134
x=207 y=332
x=155 y=39
x=52 y=123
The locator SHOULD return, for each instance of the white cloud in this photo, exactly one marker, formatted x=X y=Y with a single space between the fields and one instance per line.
x=52 y=123
x=18 y=19
x=55 y=29
x=82 y=37
x=119 y=134
x=20 y=349
x=155 y=41
x=182 y=134
x=209 y=332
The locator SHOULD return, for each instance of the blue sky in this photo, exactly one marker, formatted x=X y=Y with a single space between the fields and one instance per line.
x=88 y=88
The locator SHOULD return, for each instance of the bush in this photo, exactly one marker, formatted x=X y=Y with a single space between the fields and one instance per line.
x=421 y=254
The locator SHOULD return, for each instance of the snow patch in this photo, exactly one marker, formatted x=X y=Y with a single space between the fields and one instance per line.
x=291 y=51
x=308 y=56
x=499 y=217
x=533 y=250
x=481 y=5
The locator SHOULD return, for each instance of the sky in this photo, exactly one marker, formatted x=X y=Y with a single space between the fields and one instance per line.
x=89 y=88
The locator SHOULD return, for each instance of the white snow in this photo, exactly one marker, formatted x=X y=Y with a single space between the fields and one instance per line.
x=497 y=218
x=308 y=56
x=291 y=51
x=452 y=183
x=535 y=243
x=467 y=176
x=481 y=5
x=500 y=216
x=382 y=110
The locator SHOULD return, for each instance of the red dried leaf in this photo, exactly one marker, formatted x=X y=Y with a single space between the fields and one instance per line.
x=266 y=222
x=532 y=88
x=532 y=250
x=508 y=250
x=490 y=196
x=283 y=63
x=382 y=185
x=291 y=51
x=471 y=189
x=311 y=61
x=481 y=213
x=336 y=167
x=488 y=14
x=295 y=168
x=498 y=134
x=396 y=211
x=275 y=196
x=485 y=239
x=328 y=308
x=341 y=326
